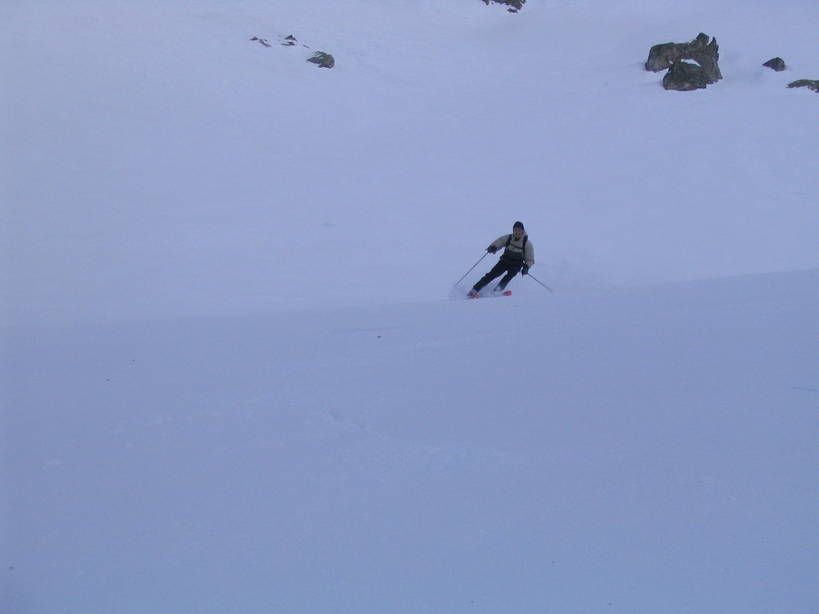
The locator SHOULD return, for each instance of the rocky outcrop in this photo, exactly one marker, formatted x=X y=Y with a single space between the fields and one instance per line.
x=685 y=76
x=811 y=85
x=514 y=5
x=777 y=64
x=322 y=59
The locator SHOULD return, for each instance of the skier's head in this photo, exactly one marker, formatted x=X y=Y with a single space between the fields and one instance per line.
x=518 y=230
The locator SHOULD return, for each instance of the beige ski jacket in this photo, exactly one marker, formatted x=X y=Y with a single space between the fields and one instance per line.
x=516 y=250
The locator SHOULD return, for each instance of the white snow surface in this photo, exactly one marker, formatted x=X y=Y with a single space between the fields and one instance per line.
x=236 y=377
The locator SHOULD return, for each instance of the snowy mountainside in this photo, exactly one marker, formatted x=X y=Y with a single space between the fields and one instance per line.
x=233 y=373
x=631 y=451
x=164 y=163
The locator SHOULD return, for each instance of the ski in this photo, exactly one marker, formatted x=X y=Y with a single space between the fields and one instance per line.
x=504 y=293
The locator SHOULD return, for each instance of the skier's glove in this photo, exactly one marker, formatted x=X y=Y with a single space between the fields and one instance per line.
x=491 y=249
x=525 y=270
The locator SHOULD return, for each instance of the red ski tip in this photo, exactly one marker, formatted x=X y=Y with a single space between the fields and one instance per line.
x=507 y=293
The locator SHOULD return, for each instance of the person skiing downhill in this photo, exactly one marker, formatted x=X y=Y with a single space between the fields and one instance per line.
x=518 y=257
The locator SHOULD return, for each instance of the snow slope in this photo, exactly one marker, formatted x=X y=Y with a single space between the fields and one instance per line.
x=158 y=161
x=235 y=377
x=635 y=451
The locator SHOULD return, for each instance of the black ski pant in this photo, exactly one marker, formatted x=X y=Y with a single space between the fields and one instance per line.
x=510 y=267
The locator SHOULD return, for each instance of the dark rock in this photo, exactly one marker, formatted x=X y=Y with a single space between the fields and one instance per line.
x=703 y=52
x=322 y=59
x=261 y=41
x=661 y=57
x=290 y=41
x=811 y=85
x=684 y=77
x=514 y=5
x=778 y=64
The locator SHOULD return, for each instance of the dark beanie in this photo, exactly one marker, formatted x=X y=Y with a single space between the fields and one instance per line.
x=518 y=225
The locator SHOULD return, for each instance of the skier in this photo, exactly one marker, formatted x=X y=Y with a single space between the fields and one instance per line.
x=518 y=256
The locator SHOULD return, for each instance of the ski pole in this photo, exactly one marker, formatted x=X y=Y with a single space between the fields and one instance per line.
x=540 y=282
x=470 y=270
